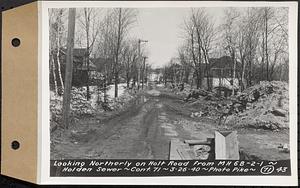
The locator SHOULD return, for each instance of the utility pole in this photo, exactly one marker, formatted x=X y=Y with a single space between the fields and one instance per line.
x=87 y=53
x=143 y=71
x=146 y=73
x=69 y=68
x=139 y=60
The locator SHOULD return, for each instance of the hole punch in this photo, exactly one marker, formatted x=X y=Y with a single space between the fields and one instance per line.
x=15 y=145
x=16 y=42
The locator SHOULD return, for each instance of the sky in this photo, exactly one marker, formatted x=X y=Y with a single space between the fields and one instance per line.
x=162 y=28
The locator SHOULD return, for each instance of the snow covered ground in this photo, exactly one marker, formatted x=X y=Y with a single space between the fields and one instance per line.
x=110 y=94
x=224 y=82
x=160 y=85
x=79 y=103
x=111 y=90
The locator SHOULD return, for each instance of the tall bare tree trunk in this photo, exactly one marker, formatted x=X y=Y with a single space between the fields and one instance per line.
x=143 y=72
x=116 y=83
x=199 y=78
x=263 y=57
x=87 y=53
x=244 y=82
x=206 y=69
x=146 y=76
x=234 y=72
x=138 y=65
x=116 y=72
x=266 y=42
x=58 y=57
x=197 y=64
x=127 y=79
x=105 y=86
x=250 y=65
x=54 y=74
x=69 y=68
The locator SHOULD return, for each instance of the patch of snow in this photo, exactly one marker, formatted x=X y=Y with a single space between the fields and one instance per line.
x=153 y=92
x=225 y=82
x=121 y=90
x=160 y=85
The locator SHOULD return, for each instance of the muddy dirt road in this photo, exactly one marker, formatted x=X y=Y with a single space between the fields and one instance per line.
x=145 y=128
x=143 y=131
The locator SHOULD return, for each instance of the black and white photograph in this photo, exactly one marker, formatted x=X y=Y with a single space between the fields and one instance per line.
x=195 y=93
x=169 y=83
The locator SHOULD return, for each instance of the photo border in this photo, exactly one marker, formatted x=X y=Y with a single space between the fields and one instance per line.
x=44 y=98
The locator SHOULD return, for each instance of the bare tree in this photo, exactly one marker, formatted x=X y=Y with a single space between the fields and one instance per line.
x=189 y=28
x=230 y=38
x=267 y=13
x=275 y=37
x=247 y=42
x=130 y=55
x=89 y=23
x=200 y=33
x=59 y=36
x=57 y=39
x=185 y=61
x=143 y=76
x=261 y=44
x=52 y=39
x=53 y=67
x=122 y=20
x=205 y=33
x=253 y=37
x=105 y=46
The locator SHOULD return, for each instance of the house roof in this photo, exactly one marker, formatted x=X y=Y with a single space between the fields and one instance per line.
x=79 y=55
x=79 y=52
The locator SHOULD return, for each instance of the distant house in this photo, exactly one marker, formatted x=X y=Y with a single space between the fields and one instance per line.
x=221 y=71
x=79 y=61
x=220 y=74
x=80 y=68
x=155 y=77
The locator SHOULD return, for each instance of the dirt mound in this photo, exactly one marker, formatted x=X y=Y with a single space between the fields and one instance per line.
x=207 y=108
x=262 y=106
x=265 y=106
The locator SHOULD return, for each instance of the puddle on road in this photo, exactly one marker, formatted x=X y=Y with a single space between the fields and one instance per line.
x=153 y=92
x=159 y=105
x=171 y=134
x=169 y=129
x=162 y=118
x=168 y=126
